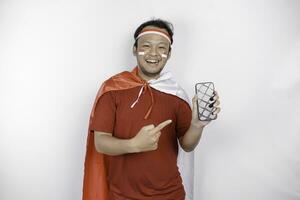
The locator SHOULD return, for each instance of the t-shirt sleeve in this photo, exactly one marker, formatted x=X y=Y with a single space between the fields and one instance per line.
x=104 y=115
x=184 y=116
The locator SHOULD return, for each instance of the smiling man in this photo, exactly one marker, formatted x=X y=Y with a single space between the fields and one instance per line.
x=136 y=122
x=152 y=48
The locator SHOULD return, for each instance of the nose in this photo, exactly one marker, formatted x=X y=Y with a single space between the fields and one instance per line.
x=153 y=51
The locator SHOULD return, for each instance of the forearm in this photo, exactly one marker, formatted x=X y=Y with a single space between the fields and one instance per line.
x=113 y=146
x=191 y=138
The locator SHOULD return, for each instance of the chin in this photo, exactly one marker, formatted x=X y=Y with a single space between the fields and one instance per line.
x=151 y=71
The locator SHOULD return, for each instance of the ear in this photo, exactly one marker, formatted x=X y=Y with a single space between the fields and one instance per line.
x=134 y=50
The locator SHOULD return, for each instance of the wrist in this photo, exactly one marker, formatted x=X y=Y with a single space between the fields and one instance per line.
x=195 y=125
x=131 y=146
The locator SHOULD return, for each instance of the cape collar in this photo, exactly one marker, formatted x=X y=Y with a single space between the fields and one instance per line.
x=126 y=80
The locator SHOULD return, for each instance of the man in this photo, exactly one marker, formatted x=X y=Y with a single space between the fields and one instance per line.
x=136 y=122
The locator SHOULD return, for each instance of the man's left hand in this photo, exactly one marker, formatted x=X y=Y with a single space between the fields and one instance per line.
x=195 y=120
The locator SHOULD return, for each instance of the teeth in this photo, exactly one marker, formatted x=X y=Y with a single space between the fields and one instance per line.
x=152 y=61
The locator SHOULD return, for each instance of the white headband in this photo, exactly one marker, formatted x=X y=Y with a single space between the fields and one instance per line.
x=154 y=32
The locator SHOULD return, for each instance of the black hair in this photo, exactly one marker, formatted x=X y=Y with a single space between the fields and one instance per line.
x=159 y=23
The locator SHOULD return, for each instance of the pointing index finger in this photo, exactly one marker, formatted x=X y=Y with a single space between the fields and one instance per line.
x=162 y=125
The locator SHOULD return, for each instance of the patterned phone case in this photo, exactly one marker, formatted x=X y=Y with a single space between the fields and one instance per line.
x=205 y=91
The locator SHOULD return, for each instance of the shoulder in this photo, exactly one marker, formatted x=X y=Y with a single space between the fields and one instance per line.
x=117 y=82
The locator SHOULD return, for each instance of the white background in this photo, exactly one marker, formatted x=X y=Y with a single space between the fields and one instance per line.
x=55 y=54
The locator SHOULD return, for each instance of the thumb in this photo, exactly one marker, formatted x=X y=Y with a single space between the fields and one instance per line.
x=195 y=109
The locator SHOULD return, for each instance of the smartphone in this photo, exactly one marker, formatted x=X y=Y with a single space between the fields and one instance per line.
x=205 y=93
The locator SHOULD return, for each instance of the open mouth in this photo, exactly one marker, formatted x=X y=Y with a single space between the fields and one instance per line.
x=152 y=61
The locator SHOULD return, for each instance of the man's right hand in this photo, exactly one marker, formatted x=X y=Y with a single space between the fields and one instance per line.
x=147 y=138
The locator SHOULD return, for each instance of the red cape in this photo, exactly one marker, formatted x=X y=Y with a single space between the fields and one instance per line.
x=95 y=186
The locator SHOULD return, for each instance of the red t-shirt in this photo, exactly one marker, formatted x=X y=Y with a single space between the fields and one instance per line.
x=145 y=175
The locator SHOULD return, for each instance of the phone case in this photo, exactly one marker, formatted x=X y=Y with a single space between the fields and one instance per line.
x=205 y=91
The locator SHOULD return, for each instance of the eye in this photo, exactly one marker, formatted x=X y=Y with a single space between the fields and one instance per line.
x=146 y=45
x=162 y=47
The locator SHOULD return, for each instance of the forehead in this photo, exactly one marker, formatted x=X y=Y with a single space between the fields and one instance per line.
x=152 y=37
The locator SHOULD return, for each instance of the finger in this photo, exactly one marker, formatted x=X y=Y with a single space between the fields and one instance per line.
x=194 y=100
x=161 y=125
x=216 y=96
x=216 y=103
x=217 y=110
x=195 y=111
